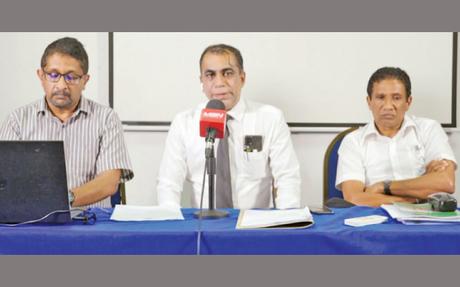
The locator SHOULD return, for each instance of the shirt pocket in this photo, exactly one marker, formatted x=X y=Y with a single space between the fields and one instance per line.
x=413 y=159
x=253 y=164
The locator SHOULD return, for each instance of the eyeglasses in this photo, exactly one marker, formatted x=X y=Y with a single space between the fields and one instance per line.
x=69 y=78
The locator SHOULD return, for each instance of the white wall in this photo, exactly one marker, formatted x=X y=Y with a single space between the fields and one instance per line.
x=296 y=72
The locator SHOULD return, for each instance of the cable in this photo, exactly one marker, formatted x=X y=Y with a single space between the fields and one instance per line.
x=35 y=220
x=198 y=241
x=85 y=218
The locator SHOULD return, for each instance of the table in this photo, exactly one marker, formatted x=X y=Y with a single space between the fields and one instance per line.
x=327 y=236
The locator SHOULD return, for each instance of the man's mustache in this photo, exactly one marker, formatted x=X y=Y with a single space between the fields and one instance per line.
x=61 y=93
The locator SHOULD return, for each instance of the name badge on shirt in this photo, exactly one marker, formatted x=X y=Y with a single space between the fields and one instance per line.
x=253 y=143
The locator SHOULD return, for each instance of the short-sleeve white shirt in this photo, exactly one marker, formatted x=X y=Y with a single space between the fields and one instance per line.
x=369 y=157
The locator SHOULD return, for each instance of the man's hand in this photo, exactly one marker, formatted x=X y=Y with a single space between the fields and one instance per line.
x=436 y=166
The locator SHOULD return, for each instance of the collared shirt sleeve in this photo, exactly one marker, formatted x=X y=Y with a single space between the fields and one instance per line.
x=113 y=153
x=284 y=165
x=173 y=167
x=9 y=130
x=436 y=143
x=350 y=164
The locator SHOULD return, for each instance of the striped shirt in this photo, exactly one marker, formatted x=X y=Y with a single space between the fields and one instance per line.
x=93 y=139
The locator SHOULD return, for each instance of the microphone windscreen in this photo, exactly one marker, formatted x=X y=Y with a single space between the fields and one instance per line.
x=215 y=105
x=213 y=117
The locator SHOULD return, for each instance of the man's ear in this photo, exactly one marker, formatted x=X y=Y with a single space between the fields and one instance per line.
x=41 y=77
x=409 y=101
x=40 y=74
x=201 y=83
x=243 y=77
x=85 y=80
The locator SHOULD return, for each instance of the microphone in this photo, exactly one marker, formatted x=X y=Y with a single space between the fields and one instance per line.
x=212 y=121
x=212 y=124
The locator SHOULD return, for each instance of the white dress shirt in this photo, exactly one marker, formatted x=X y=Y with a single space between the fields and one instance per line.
x=369 y=157
x=252 y=173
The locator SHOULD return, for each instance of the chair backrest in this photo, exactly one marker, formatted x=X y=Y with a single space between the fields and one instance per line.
x=330 y=166
x=120 y=196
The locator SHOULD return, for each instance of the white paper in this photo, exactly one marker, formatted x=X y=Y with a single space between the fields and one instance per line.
x=262 y=218
x=146 y=213
x=365 y=220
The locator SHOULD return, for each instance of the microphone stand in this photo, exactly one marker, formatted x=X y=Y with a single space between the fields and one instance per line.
x=211 y=212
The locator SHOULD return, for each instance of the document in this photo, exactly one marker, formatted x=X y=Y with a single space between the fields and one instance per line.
x=146 y=213
x=408 y=213
x=276 y=218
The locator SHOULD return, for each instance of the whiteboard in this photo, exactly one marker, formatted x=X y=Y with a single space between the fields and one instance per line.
x=317 y=79
x=21 y=55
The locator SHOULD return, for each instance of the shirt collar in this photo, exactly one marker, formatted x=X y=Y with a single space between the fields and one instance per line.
x=83 y=106
x=41 y=107
x=370 y=128
x=237 y=112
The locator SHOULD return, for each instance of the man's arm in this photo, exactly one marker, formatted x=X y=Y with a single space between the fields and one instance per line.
x=112 y=165
x=439 y=177
x=284 y=165
x=351 y=176
x=104 y=185
x=173 y=167
x=355 y=192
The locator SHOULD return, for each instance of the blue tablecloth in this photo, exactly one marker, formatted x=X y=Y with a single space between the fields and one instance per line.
x=327 y=236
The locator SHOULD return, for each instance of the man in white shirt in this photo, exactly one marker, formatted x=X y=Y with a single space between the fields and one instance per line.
x=253 y=173
x=396 y=157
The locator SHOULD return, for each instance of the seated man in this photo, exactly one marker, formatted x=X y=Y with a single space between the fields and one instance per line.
x=95 y=151
x=396 y=157
x=252 y=173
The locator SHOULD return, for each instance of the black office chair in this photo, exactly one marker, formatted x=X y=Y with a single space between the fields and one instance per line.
x=331 y=159
x=120 y=196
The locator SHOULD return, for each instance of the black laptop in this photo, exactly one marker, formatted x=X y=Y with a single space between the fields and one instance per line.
x=33 y=182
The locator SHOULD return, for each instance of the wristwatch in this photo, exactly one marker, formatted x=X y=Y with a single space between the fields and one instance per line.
x=386 y=187
x=71 y=197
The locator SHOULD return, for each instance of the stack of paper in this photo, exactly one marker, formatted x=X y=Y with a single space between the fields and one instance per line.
x=146 y=213
x=286 y=218
x=420 y=213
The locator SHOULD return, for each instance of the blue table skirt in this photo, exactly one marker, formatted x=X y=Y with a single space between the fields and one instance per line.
x=328 y=236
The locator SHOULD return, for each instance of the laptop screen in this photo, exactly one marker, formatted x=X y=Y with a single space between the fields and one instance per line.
x=33 y=181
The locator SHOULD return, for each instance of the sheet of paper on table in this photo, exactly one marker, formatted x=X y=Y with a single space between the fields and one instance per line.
x=146 y=213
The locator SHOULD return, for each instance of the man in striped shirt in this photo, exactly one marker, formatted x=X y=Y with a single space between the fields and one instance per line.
x=96 y=156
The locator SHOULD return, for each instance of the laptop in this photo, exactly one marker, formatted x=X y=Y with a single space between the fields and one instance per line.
x=33 y=182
